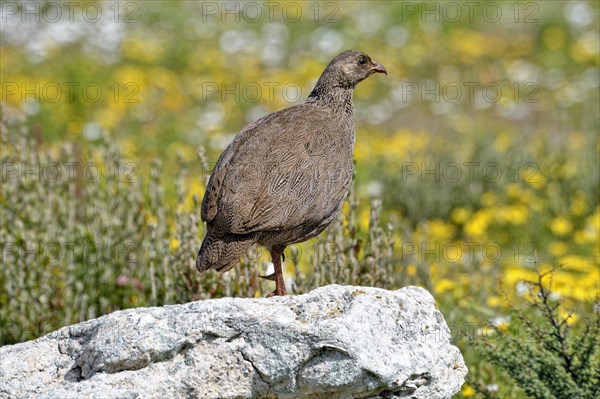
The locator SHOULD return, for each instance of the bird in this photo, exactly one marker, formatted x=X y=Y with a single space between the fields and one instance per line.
x=284 y=178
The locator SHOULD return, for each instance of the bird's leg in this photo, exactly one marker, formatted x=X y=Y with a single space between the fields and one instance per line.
x=271 y=277
x=277 y=275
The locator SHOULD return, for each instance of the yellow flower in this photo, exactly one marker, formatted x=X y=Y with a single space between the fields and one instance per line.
x=107 y=118
x=579 y=204
x=578 y=279
x=452 y=252
x=187 y=151
x=594 y=220
x=151 y=219
x=561 y=226
x=576 y=262
x=520 y=193
x=364 y=218
x=142 y=48
x=468 y=390
x=516 y=214
x=129 y=150
x=196 y=189
x=586 y=236
x=131 y=74
x=567 y=170
x=513 y=191
x=469 y=45
x=497 y=323
x=494 y=301
x=516 y=274
x=585 y=48
x=130 y=89
x=460 y=215
x=444 y=285
x=478 y=224
x=411 y=269
x=570 y=318
x=174 y=244
x=584 y=290
x=197 y=186
x=536 y=181
x=440 y=230
x=558 y=248
x=75 y=127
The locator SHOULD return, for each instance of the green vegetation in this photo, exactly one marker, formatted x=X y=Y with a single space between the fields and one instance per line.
x=542 y=354
x=476 y=168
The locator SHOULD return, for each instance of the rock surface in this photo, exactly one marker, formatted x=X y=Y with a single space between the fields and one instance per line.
x=334 y=342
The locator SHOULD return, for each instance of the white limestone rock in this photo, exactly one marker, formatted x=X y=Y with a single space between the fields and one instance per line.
x=334 y=342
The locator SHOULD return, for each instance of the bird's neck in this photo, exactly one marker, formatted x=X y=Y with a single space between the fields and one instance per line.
x=339 y=99
x=326 y=93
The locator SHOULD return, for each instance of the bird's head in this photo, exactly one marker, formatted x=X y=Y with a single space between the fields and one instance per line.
x=351 y=67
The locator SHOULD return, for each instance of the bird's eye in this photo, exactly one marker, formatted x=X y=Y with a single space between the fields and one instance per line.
x=362 y=61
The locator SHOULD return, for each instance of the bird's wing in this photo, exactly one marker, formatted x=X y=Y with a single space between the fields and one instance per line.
x=213 y=188
x=285 y=171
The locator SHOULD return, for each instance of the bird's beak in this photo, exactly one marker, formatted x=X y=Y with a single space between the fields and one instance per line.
x=378 y=68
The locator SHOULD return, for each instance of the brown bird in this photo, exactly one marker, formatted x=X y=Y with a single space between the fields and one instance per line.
x=284 y=178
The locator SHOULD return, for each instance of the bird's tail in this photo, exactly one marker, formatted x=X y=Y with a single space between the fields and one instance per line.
x=222 y=253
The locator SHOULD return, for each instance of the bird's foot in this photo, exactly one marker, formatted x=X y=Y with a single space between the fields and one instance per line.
x=269 y=277
x=277 y=292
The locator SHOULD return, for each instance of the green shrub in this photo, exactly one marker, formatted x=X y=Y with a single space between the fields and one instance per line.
x=541 y=351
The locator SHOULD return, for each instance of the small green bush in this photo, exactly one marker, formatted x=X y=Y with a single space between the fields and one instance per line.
x=542 y=353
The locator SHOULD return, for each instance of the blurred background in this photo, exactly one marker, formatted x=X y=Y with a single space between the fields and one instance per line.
x=476 y=156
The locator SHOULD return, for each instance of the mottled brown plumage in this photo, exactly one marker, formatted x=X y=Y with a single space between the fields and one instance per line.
x=284 y=178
